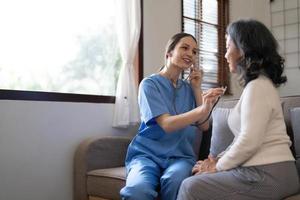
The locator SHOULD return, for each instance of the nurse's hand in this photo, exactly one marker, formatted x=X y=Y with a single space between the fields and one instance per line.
x=195 y=78
x=210 y=97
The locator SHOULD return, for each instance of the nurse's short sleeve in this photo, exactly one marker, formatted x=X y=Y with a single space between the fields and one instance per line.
x=151 y=101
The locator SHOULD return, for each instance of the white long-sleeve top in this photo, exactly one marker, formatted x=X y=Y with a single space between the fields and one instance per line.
x=258 y=126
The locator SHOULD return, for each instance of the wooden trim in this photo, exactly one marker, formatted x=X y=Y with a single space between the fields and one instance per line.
x=141 y=46
x=223 y=21
x=182 y=24
x=96 y=198
x=53 y=96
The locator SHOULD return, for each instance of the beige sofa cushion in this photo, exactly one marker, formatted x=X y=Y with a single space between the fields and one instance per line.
x=221 y=136
x=106 y=183
x=294 y=197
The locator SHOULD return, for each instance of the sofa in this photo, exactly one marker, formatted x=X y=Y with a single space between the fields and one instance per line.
x=99 y=171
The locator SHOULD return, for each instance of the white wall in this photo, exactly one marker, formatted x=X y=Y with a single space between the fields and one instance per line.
x=162 y=19
x=37 y=144
x=256 y=9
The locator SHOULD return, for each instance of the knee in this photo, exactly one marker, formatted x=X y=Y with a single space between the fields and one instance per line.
x=171 y=182
x=186 y=190
x=137 y=192
x=174 y=180
x=189 y=186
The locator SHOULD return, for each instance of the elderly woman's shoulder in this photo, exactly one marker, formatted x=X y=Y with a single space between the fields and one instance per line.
x=261 y=80
x=263 y=84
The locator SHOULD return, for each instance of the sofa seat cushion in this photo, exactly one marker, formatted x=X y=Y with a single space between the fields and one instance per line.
x=106 y=183
x=294 y=197
x=96 y=198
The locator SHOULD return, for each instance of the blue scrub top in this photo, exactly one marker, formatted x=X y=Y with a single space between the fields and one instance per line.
x=158 y=96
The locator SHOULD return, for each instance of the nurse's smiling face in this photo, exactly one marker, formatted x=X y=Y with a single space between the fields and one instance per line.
x=184 y=54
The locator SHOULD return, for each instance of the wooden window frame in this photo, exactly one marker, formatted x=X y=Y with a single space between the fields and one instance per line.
x=223 y=21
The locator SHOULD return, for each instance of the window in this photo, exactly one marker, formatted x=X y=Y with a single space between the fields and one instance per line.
x=58 y=50
x=207 y=21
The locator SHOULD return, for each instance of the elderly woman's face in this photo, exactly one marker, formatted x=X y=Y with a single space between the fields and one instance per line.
x=233 y=55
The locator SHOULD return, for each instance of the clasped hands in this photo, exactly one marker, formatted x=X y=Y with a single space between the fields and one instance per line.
x=205 y=166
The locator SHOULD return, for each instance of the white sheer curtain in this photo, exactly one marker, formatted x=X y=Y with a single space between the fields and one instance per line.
x=128 y=26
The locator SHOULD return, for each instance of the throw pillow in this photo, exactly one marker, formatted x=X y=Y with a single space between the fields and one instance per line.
x=222 y=136
x=295 y=116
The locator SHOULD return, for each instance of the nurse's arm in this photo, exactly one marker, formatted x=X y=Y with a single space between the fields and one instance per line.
x=170 y=123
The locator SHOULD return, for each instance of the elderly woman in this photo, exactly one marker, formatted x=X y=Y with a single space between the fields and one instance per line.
x=259 y=163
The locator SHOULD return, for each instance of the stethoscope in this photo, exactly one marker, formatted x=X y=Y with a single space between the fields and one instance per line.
x=197 y=124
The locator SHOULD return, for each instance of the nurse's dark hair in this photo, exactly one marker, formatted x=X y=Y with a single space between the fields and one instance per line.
x=259 y=49
x=173 y=41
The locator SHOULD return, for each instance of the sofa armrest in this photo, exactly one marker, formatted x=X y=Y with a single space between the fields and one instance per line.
x=97 y=153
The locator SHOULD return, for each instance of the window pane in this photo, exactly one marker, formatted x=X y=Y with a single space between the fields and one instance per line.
x=189 y=8
x=208 y=38
x=189 y=26
x=59 y=46
x=210 y=11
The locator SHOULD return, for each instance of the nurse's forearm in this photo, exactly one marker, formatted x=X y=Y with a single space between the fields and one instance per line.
x=198 y=99
x=172 y=123
x=198 y=96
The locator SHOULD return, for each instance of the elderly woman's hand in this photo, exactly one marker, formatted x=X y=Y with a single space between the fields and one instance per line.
x=205 y=166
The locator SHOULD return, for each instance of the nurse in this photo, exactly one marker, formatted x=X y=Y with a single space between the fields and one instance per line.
x=161 y=155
